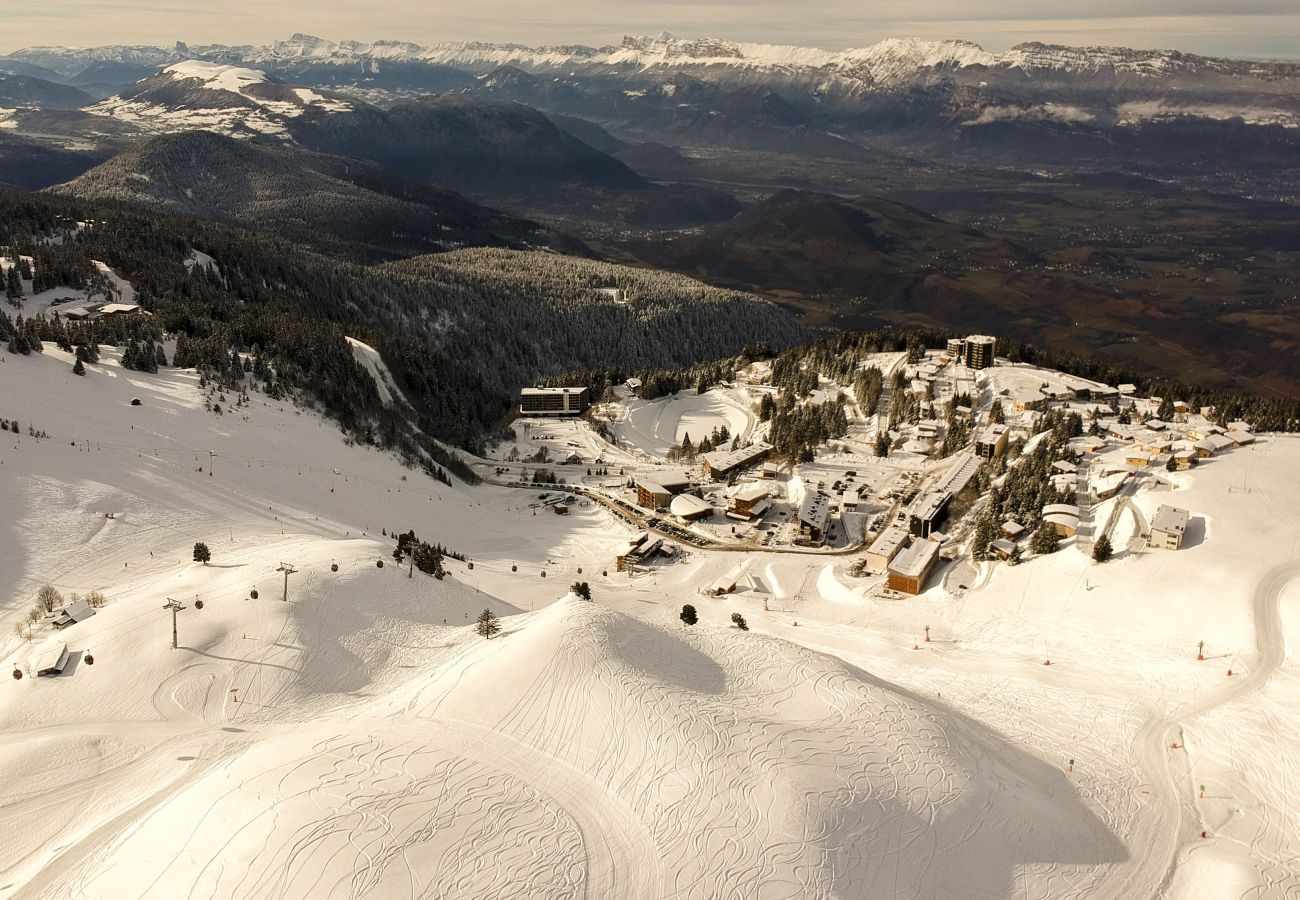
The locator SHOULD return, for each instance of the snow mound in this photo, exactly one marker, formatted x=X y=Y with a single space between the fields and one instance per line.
x=215 y=76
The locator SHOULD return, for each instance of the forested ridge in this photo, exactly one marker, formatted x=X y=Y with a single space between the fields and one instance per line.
x=461 y=332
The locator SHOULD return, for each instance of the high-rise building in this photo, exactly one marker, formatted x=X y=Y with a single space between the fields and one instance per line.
x=979 y=351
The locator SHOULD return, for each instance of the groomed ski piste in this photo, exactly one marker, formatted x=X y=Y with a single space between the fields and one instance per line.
x=361 y=739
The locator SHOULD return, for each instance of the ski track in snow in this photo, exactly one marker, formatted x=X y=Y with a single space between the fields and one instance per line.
x=360 y=740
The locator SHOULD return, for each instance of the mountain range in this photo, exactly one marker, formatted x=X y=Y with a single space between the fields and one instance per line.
x=347 y=206
x=1128 y=202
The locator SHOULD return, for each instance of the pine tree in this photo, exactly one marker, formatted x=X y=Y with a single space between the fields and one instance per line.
x=582 y=589
x=201 y=553
x=986 y=532
x=1102 y=550
x=739 y=621
x=487 y=624
x=882 y=444
x=689 y=616
x=1045 y=539
x=78 y=368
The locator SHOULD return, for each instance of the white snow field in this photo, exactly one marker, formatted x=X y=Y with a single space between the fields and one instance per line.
x=656 y=426
x=361 y=739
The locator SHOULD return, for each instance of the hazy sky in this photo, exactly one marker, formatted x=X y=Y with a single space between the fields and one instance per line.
x=1257 y=28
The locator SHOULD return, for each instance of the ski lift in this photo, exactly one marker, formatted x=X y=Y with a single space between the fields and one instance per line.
x=253 y=593
x=18 y=674
x=334 y=567
x=198 y=604
x=89 y=658
x=379 y=564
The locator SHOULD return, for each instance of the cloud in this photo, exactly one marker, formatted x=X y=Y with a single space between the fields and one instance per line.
x=1045 y=112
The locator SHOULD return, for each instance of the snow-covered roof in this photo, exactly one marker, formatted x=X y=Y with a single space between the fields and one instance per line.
x=688 y=506
x=1170 y=519
x=1066 y=509
x=750 y=492
x=1062 y=519
x=916 y=560
x=888 y=541
x=726 y=460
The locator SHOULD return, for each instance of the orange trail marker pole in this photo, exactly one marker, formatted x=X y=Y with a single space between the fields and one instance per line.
x=1200 y=651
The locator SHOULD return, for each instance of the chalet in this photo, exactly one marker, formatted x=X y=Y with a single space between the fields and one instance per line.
x=852 y=500
x=1065 y=525
x=53 y=661
x=1109 y=484
x=909 y=569
x=1212 y=444
x=1240 y=438
x=1012 y=530
x=1064 y=517
x=1139 y=459
x=1002 y=548
x=634 y=386
x=814 y=517
x=1065 y=482
x=885 y=547
x=1168 y=527
x=1184 y=459
x=71 y=615
x=558 y=401
x=1238 y=426
x=1065 y=467
x=749 y=501
x=638 y=548
x=770 y=470
x=722 y=464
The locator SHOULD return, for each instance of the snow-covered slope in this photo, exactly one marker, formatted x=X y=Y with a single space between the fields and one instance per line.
x=212 y=96
x=361 y=740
